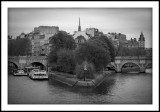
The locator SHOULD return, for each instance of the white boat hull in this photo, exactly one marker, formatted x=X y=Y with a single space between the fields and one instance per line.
x=38 y=77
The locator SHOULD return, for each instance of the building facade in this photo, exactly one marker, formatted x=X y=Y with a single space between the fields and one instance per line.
x=141 y=41
x=92 y=32
x=22 y=35
x=133 y=43
x=117 y=38
x=120 y=39
x=40 y=39
x=82 y=36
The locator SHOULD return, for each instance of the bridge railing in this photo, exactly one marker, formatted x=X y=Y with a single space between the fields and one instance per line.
x=27 y=57
x=132 y=57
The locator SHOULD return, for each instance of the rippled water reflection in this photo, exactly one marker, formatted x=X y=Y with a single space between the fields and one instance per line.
x=117 y=89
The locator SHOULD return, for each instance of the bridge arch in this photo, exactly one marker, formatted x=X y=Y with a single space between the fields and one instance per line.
x=127 y=62
x=14 y=63
x=111 y=65
x=148 y=65
x=38 y=64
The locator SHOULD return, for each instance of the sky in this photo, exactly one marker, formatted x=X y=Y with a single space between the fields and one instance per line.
x=128 y=21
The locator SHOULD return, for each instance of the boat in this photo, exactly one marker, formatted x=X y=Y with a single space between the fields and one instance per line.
x=38 y=74
x=20 y=72
x=134 y=72
x=29 y=69
x=148 y=70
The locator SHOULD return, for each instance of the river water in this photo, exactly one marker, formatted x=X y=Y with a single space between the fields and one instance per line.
x=119 y=88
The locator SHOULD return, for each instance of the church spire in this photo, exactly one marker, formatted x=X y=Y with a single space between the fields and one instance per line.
x=79 y=27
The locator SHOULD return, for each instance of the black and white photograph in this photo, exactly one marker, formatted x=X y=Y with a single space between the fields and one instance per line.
x=75 y=55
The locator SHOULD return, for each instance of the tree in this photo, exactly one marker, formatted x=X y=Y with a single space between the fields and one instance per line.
x=110 y=45
x=93 y=51
x=52 y=57
x=61 y=55
x=62 y=40
x=19 y=47
x=65 y=61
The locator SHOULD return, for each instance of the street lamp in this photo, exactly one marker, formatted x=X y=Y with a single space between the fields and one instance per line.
x=85 y=69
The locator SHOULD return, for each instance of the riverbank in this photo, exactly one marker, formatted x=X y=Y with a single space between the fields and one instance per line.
x=72 y=81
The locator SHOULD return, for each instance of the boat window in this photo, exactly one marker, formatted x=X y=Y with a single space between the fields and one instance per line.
x=36 y=70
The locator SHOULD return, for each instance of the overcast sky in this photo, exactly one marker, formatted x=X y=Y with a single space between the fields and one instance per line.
x=130 y=22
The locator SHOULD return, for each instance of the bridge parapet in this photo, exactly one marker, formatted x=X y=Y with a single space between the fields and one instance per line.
x=22 y=61
x=28 y=57
x=37 y=57
x=131 y=57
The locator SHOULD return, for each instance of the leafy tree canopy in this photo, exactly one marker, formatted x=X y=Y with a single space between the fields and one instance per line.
x=111 y=48
x=19 y=47
x=93 y=51
x=62 y=40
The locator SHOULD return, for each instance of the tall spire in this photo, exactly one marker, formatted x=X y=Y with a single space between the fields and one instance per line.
x=79 y=27
x=79 y=22
x=141 y=33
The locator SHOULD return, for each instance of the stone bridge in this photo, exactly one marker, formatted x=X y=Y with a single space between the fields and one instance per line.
x=140 y=61
x=24 y=61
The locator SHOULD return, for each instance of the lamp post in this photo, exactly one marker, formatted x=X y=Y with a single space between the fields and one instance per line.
x=85 y=69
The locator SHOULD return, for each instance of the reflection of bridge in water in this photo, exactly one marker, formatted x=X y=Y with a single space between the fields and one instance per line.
x=141 y=62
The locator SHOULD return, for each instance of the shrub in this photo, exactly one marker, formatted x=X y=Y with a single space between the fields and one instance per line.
x=80 y=72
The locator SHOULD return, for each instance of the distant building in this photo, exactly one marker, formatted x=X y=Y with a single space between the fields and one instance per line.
x=22 y=35
x=48 y=31
x=92 y=32
x=141 y=41
x=10 y=37
x=117 y=38
x=80 y=39
x=136 y=44
x=79 y=27
x=40 y=39
x=133 y=43
x=120 y=39
x=30 y=35
x=80 y=36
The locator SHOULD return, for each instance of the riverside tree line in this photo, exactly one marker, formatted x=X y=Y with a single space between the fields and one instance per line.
x=96 y=53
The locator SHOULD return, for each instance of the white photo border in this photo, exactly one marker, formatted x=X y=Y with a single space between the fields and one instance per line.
x=155 y=47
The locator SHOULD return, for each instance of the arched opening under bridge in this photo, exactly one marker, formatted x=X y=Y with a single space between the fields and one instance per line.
x=130 y=67
x=111 y=67
x=149 y=65
x=38 y=65
x=12 y=67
